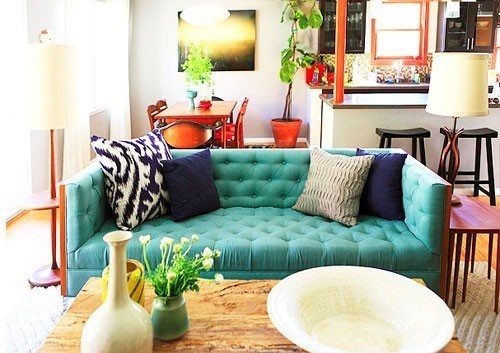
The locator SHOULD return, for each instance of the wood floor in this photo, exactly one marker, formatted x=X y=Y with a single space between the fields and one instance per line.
x=27 y=247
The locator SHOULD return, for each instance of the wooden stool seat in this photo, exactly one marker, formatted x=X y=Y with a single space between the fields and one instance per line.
x=417 y=135
x=479 y=134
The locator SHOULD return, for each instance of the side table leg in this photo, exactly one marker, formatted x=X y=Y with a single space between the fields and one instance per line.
x=468 y=241
x=458 y=251
x=497 y=280
x=450 y=261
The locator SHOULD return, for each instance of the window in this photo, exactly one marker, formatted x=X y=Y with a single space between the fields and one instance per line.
x=399 y=32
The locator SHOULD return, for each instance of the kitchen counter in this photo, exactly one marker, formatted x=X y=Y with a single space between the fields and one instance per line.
x=352 y=88
x=353 y=122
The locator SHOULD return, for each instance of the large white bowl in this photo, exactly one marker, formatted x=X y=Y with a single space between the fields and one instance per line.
x=340 y=309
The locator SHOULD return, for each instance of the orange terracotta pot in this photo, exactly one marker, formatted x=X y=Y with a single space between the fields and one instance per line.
x=286 y=132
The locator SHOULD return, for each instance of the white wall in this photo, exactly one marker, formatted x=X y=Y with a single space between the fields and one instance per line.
x=153 y=65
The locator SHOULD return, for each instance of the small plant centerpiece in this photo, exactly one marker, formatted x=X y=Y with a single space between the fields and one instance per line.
x=198 y=75
x=302 y=14
x=175 y=274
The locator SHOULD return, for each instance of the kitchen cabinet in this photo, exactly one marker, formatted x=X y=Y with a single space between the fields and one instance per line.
x=355 y=27
x=472 y=31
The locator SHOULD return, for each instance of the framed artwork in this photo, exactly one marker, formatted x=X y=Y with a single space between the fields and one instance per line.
x=230 y=44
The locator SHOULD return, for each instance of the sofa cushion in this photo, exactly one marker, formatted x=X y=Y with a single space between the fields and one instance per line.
x=190 y=185
x=383 y=194
x=134 y=183
x=334 y=185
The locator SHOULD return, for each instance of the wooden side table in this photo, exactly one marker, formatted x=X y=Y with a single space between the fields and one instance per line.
x=470 y=217
x=47 y=275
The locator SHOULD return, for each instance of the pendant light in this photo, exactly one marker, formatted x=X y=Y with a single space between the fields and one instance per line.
x=204 y=14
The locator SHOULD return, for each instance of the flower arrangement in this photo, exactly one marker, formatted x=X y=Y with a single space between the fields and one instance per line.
x=177 y=272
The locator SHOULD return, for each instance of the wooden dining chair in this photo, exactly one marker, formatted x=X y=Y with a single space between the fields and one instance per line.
x=162 y=104
x=152 y=111
x=234 y=132
x=189 y=134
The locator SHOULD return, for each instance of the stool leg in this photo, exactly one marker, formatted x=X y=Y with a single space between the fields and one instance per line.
x=422 y=151
x=414 y=147
x=389 y=142
x=382 y=142
x=477 y=166
x=491 y=175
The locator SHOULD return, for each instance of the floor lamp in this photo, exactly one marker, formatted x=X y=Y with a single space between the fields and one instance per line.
x=47 y=109
x=458 y=88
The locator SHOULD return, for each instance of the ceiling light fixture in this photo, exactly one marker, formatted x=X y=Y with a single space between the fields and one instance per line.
x=204 y=14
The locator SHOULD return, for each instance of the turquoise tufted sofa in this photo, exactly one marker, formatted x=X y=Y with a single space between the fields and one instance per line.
x=258 y=233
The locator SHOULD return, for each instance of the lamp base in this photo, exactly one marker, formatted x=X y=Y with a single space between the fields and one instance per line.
x=455 y=200
x=45 y=277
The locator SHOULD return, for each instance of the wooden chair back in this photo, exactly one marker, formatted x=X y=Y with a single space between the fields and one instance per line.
x=238 y=141
x=152 y=111
x=189 y=134
x=162 y=104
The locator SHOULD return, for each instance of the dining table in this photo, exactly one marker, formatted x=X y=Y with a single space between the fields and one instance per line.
x=218 y=111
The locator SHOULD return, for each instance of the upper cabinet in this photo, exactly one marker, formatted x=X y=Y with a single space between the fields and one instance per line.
x=473 y=30
x=355 y=26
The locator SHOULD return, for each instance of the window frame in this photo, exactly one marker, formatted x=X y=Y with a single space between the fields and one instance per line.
x=421 y=59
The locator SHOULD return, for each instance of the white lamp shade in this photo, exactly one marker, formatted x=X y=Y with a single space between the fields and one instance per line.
x=459 y=85
x=204 y=14
x=50 y=88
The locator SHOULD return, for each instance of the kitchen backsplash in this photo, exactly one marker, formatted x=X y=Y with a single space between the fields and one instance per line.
x=382 y=72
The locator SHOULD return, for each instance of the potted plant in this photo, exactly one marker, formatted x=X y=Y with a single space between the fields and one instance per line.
x=302 y=14
x=177 y=272
x=198 y=74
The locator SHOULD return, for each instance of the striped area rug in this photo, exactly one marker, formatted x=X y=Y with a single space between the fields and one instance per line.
x=477 y=326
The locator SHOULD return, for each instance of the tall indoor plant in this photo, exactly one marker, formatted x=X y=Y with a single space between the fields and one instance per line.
x=198 y=73
x=302 y=14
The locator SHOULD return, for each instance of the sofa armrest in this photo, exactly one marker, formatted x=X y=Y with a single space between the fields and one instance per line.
x=83 y=210
x=426 y=201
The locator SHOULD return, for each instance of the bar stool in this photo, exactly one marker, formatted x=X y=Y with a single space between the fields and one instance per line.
x=416 y=135
x=479 y=134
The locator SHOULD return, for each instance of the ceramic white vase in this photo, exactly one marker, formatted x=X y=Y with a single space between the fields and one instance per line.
x=120 y=324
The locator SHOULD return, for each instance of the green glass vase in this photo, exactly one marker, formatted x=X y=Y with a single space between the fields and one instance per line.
x=170 y=318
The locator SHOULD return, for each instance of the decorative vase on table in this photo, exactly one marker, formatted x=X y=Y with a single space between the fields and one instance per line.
x=135 y=281
x=170 y=318
x=191 y=96
x=119 y=324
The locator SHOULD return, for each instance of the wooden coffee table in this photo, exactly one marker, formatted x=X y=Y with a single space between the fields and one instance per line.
x=230 y=317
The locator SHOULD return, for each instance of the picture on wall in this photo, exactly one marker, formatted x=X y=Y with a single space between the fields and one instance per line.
x=230 y=44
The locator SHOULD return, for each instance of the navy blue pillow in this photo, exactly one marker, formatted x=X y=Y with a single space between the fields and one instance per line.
x=382 y=194
x=190 y=184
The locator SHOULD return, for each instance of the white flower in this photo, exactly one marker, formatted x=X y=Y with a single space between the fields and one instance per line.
x=177 y=248
x=165 y=242
x=171 y=275
x=207 y=263
x=216 y=253
x=145 y=239
x=194 y=238
x=219 y=278
x=207 y=252
x=184 y=241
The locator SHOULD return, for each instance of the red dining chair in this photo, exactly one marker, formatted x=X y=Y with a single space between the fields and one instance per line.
x=234 y=131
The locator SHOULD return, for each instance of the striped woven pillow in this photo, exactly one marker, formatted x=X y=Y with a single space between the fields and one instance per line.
x=334 y=186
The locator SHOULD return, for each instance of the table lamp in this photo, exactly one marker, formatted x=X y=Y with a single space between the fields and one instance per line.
x=47 y=109
x=458 y=88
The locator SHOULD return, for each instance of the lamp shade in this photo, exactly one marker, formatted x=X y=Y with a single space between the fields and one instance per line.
x=204 y=14
x=50 y=87
x=459 y=85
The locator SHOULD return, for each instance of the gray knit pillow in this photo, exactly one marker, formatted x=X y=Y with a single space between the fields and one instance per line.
x=334 y=186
